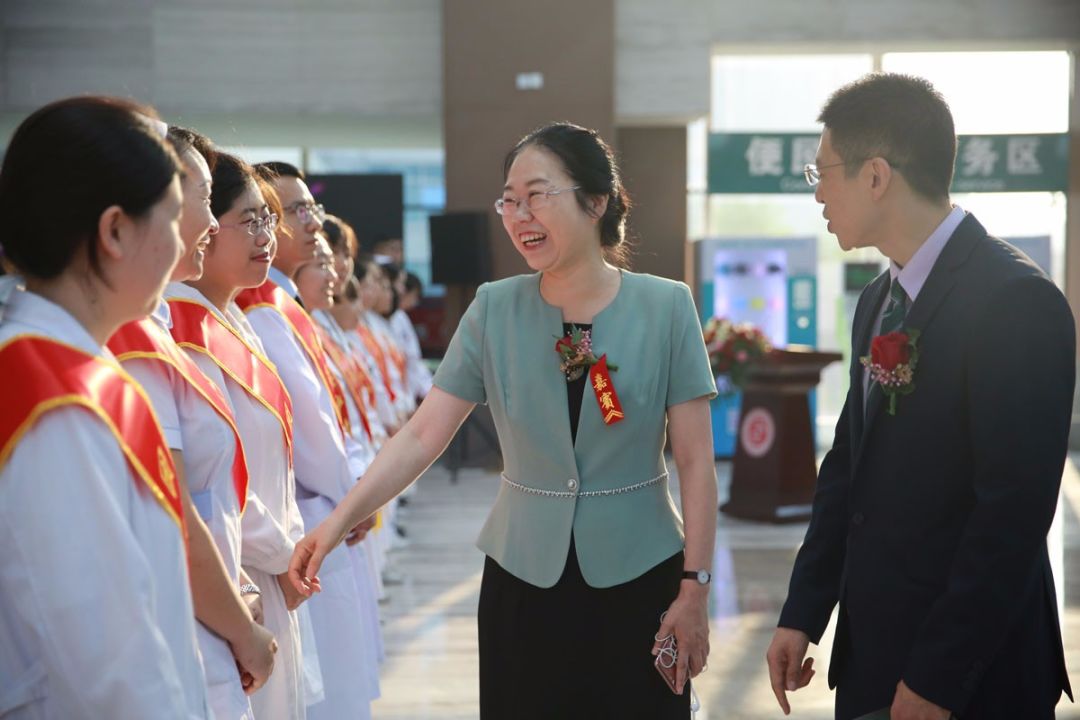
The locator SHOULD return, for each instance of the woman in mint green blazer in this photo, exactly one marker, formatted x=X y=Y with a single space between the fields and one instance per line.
x=589 y=564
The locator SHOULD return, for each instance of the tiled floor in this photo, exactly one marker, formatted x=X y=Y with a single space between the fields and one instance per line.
x=430 y=618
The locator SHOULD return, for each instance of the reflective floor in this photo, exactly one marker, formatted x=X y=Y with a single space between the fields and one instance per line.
x=430 y=616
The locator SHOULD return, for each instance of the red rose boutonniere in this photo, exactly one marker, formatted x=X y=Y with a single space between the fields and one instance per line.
x=892 y=362
x=577 y=356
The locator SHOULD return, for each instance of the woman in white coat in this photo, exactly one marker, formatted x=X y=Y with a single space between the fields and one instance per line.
x=316 y=282
x=323 y=471
x=210 y=328
x=200 y=428
x=96 y=617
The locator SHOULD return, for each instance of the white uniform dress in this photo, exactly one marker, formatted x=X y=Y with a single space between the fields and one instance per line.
x=323 y=478
x=195 y=429
x=406 y=402
x=266 y=542
x=367 y=555
x=418 y=377
x=96 y=617
x=387 y=415
x=375 y=421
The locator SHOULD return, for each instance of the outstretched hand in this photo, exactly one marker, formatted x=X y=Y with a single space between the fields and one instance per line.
x=308 y=557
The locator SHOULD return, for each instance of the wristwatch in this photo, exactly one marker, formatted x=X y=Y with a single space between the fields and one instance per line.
x=701 y=576
x=250 y=589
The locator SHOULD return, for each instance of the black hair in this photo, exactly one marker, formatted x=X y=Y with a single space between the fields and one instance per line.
x=351 y=288
x=340 y=235
x=590 y=163
x=277 y=168
x=901 y=118
x=363 y=265
x=391 y=270
x=232 y=176
x=87 y=154
x=413 y=283
x=185 y=139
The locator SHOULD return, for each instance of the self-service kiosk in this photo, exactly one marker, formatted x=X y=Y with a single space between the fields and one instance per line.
x=770 y=282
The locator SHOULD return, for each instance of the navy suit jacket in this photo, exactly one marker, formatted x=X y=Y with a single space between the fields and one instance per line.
x=929 y=526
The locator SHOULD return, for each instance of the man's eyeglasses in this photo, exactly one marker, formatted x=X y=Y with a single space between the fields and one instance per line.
x=254 y=226
x=306 y=212
x=536 y=201
x=812 y=172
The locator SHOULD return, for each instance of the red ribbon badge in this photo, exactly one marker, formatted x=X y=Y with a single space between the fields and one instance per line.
x=600 y=378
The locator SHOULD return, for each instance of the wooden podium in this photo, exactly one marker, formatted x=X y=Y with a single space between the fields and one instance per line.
x=775 y=468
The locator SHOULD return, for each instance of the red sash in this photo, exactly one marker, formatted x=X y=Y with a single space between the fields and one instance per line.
x=303 y=327
x=376 y=350
x=196 y=326
x=399 y=359
x=143 y=339
x=362 y=375
x=48 y=374
x=350 y=370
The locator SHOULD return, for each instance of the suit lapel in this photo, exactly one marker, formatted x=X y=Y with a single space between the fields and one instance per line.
x=937 y=287
x=876 y=293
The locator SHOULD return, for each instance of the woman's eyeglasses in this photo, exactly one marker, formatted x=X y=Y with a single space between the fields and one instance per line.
x=255 y=226
x=535 y=201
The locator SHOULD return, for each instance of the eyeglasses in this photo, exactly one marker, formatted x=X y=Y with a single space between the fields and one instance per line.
x=254 y=226
x=812 y=172
x=536 y=201
x=306 y=212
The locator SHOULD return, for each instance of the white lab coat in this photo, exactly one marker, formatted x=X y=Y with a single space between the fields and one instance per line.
x=323 y=478
x=386 y=413
x=270 y=526
x=195 y=429
x=418 y=377
x=384 y=407
x=96 y=617
x=406 y=402
x=365 y=567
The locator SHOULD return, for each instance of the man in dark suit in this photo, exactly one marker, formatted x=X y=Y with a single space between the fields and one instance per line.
x=932 y=507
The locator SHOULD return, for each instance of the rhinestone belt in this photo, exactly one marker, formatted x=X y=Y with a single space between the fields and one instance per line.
x=588 y=493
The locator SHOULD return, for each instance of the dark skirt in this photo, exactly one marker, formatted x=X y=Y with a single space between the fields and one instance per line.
x=572 y=651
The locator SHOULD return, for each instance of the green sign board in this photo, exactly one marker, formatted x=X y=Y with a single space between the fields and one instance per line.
x=773 y=163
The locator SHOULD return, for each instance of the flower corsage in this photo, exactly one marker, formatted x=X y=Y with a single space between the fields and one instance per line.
x=892 y=362
x=576 y=352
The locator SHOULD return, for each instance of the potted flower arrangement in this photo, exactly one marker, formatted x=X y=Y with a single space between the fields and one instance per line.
x=734 y=348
